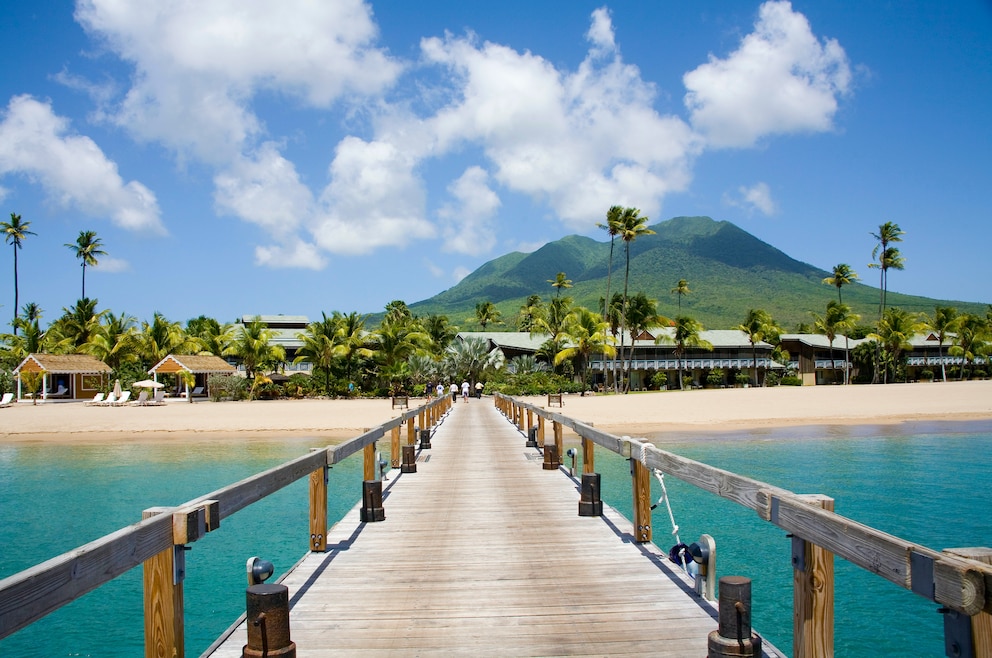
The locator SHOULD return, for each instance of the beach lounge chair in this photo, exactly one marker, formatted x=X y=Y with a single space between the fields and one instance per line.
x=109 y=401
x=97 y=399
x=5 y=400
x=125 y=396
x=60 y=393
x=142 y=399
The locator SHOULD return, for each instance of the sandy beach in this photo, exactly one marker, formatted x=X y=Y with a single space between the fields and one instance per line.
x=640 y=414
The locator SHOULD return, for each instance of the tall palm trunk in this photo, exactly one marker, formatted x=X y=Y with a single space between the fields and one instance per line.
x=623 y=318
x=606 y=313
x=16 y=301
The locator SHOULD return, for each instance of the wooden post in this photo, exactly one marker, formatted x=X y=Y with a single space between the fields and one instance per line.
x=368 y=462
x=164 y=633
x=318 y=510
x=394 y=446
x=540 y=430
x=588 y=456
x=813 y=593
x=559 y=442
x=530 y=421
x=641 y=481
x=423 y=419
x=981 y=624
x=410 y=432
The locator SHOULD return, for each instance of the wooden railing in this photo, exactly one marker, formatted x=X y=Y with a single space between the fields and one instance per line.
x=958 y=579
x=157 y=541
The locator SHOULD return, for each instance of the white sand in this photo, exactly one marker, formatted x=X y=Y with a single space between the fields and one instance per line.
x=635 y=414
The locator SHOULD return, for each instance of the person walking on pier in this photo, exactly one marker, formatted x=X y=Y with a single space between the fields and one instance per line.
x=453 y=388
x=465 y=391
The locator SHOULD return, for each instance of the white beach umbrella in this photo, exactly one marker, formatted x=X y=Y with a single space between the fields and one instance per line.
x=147 y=383
x=117 y=388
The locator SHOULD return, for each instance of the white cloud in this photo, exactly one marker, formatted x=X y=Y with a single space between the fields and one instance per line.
x=199 y=64
x=73 y=170
x=579 y=141
x=468 y=229
x=757 y=197
x=297 y=254
x=460 y=273
x=110 y=265
x=266 y=191
x=780 y=80
x=374 y=200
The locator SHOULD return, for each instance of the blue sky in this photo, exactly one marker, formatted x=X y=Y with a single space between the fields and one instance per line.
x=240 y=156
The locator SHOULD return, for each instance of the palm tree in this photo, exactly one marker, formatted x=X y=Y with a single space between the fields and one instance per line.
x=14 y=233
x=253 y=345
x=162 y=337
x=838 y=319
x=895 y=330
x=942 y=323
x=971 y=339
x=559 y=282
x=394 y=342
x=681 y=289
x=612 y=227
x=687 y=332
x=758 y=325
x=887 y=233
x=632 y=226
x=115 y=341
x=472 y=359
x=642 y=314
x=213 y=336
x=87 y=248
x=353 y=339
x=441 y=332
x=486 y=313
x=320 y=347
x=78 y=324
x=585 y=334
x=842 y=276
x=529 y=312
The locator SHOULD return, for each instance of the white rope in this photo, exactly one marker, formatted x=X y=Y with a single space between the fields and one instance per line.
x=671 y=516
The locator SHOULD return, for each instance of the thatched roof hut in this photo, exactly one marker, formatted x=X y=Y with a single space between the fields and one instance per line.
x=65 y=376
x=199 y=365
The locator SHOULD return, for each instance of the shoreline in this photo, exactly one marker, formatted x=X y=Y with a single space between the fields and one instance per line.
x=664 y=417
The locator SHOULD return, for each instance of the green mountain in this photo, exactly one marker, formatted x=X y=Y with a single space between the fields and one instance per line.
x=728 y=270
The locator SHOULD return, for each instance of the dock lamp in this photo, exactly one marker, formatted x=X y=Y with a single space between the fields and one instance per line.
x=572 y=452
x=258 y=570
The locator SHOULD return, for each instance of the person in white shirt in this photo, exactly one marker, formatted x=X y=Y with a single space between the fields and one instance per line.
x=465 y=390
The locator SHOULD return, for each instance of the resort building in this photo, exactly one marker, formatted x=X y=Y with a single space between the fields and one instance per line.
x=731 y=355
x=815 y=362
x=63 y=376
x=285 y=330
x=200 y=366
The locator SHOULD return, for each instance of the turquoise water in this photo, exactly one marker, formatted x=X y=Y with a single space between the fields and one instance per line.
x=54 y=498
x=926 y=483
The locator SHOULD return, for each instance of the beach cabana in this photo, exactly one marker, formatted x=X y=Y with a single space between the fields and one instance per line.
x=65 y=376
x=201 y=367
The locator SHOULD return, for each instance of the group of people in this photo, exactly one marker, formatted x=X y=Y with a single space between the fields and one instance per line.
x=453 y=389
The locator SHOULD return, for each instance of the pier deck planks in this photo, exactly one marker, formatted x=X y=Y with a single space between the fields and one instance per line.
x=483 y=553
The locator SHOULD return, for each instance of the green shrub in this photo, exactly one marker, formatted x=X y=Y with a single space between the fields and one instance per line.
x=660 y=380
x=772 y=379
x=227 y=387
x=791 y=380
x=715 y=378
x=742 y=378
x=926 y=375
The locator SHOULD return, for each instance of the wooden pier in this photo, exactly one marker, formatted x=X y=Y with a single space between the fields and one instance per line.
x=483 y=553
x=489 y=547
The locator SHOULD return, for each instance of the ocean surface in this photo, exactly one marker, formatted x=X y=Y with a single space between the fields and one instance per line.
x=927 y=483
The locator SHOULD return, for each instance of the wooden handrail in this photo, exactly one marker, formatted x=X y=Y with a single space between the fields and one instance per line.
x=29 y=595
x=960 y=584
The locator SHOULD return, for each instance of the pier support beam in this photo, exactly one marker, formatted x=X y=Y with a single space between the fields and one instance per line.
x=813 y=593
x=318 y=510
x=641 y=485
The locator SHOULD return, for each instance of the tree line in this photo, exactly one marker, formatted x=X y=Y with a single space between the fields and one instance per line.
x=406 y=352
